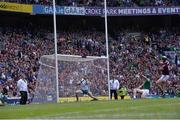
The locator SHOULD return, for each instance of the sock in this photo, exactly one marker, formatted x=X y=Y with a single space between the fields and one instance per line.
x=134 y=97
x=77 y=98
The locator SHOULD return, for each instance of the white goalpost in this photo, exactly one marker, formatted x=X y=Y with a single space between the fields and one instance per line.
x=107 y=44
x=52 y=84
x=55 y=45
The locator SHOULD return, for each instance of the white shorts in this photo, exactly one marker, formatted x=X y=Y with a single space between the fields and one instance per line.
x=145 y=92
x=164 y=77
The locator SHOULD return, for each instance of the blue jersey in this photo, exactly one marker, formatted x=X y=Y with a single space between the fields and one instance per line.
x=84 y=85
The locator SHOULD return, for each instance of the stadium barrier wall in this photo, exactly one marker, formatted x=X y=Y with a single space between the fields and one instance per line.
x=112 y=11
x=14 y=7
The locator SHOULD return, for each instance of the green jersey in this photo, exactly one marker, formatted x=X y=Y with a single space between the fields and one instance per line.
x=1 y=98
x=146 y=84
x=178 y=92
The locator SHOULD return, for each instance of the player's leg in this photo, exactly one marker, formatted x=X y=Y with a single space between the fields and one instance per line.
x=77 y=94
x=21 y=99
x=111 y=92
x=122 y=97
x=25 y=97
x=145 y=93
x=160 y=83
x=135 y=91
x=91 y=95
x=166 y=83
x=115 y=95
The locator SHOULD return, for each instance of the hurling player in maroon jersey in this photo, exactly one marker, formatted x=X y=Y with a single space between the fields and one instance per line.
x=163 y=80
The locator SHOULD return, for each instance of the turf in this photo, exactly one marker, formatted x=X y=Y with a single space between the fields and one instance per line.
x=126 y=109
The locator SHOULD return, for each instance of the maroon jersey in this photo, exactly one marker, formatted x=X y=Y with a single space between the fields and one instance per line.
x=165 y=68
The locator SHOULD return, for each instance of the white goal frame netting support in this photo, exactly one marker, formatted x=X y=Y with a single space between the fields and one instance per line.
x=72 y=68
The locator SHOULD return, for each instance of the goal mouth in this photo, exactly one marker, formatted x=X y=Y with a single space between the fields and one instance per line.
x=63 y=57
x=71 y=69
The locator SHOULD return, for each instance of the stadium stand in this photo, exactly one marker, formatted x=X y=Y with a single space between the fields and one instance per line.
x=132 y=51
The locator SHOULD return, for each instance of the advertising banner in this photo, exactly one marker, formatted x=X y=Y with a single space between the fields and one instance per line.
x=60 y=10
x=74 y=10
x=14 y=7
x=120 y=11
x=111 y=11
x=41 y=9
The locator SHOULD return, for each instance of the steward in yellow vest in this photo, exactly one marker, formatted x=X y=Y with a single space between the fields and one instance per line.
x=122 y=92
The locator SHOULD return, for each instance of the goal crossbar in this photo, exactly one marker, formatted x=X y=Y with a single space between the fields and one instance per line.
x=63 y=57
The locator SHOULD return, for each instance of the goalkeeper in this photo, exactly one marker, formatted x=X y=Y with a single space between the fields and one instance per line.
x=84 y=83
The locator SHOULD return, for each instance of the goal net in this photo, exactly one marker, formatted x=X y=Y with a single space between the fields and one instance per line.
x=71 y=69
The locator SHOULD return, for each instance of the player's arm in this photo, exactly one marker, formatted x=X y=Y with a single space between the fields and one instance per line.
x=161 y=67
x=140 y=86
x=145 y=77
x=118 y=84
x=144 y=81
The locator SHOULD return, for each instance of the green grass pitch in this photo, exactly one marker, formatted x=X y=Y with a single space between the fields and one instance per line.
x=126 y=109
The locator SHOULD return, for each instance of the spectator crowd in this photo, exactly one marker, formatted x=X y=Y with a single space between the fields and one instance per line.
x=131 y=52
